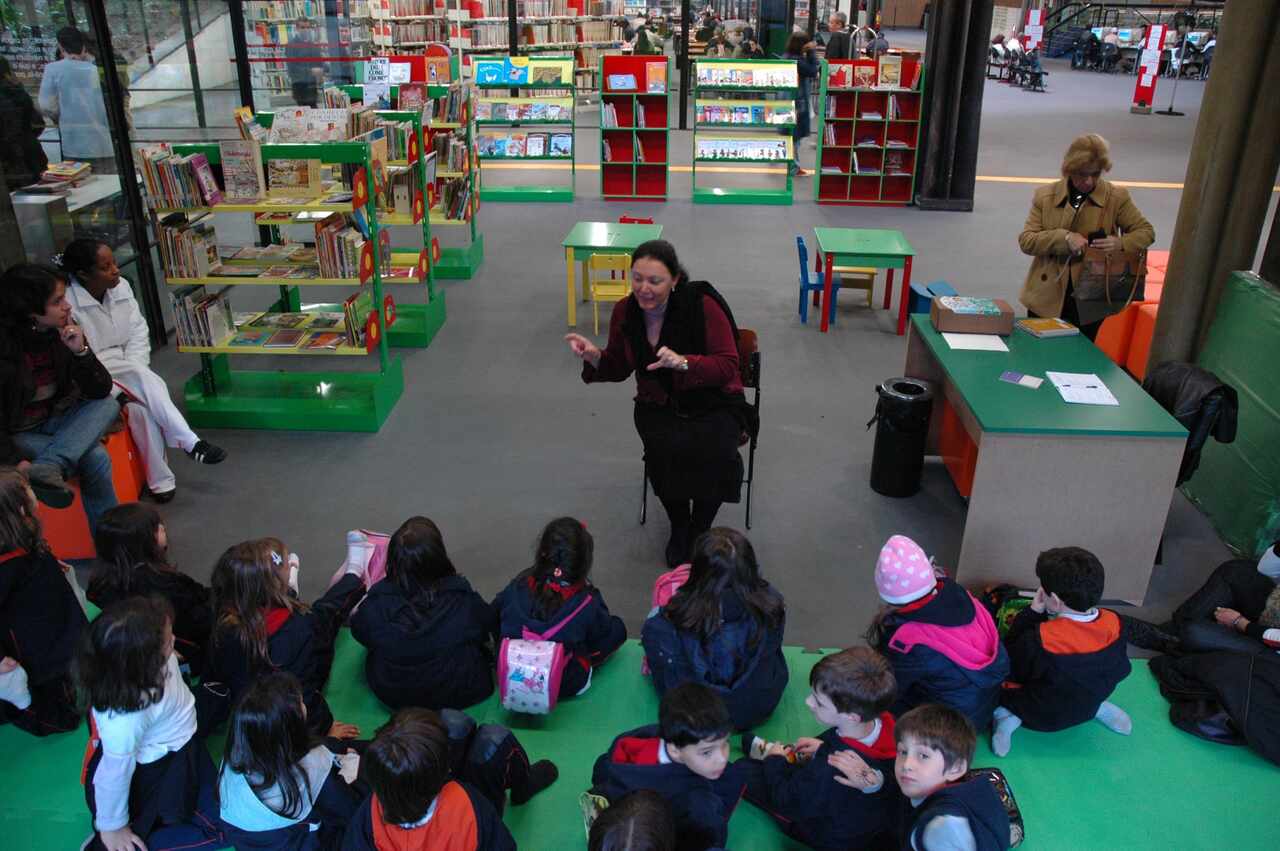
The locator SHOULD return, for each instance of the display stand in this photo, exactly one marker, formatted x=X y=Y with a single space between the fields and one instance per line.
x=533 y=98
x=220 y=397
x=753 y=139
x=868 y=135
x=634 y=127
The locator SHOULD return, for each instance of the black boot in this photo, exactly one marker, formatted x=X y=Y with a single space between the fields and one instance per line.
x=678 y=544
x=1148 y=636
x=541 y=775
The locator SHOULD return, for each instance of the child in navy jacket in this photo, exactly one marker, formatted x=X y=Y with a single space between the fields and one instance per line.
x=684 y=758
x=1067 y=654
x=942 y=643
x=556 y=588
x=810 y=800
x=262 y=627
x=40 y=619
x=935 y=749
x=430 y=636
x=723 y=629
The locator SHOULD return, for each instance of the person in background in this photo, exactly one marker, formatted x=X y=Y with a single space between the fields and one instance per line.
x=646 y=43
x=307 y=72
x=748 y=47
x=718 y=46
x=840 y=45
x=21 y=156
x=71 y=95
x=801 y=49
x=102 y=303
x=878 y=45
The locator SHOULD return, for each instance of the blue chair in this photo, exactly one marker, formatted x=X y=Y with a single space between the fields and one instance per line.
x=814 y=286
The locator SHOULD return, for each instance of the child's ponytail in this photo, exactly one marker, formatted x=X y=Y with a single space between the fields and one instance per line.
x=561 y=564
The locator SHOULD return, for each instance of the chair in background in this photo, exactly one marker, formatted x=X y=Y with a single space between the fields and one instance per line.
x=851 y=277
x=749 y=369
x=808 y=286
x=607 y=281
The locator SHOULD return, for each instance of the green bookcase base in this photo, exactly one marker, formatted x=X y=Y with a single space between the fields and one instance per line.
x=734 y=195
x=461 y=264
x=526 y=193
x=416 y=325
x=296 y=401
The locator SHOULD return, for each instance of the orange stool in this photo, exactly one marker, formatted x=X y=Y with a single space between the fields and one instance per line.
x=1144 y=327
x=67 y=529
x=1116 y=334
x=1157 y=258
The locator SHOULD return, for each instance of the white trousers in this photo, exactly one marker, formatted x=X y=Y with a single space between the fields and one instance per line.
x=155 y=423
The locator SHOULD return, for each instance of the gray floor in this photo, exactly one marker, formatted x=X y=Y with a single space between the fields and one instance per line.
x=496 y=434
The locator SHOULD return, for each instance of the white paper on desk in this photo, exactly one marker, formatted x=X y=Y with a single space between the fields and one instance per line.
x=975 y=342
x=1082 y=388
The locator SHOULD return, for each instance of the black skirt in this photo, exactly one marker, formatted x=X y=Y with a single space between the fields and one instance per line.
x=691 y=456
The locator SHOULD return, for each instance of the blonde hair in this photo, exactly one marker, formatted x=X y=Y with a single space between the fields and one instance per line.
x=1086 y=154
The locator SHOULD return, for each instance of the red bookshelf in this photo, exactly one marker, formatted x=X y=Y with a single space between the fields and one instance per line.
x=634 y=125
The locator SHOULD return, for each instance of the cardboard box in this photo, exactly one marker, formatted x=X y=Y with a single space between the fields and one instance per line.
x=964 y=315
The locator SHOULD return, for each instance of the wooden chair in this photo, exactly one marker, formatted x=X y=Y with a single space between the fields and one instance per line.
x=749 y=369
x=607 y=281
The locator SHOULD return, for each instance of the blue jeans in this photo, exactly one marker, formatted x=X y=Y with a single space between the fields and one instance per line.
x=71 y=441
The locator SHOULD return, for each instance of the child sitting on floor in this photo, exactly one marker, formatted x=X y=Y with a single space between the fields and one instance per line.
x=935 y=748
x=851 y=691
x=942 y=643
x=684 y=758
x=430 y=636
x=133 y=561
x=40 y=619
x=261 y=626
x=279 y=788
x=723 y=629
x=1067 y=654
x=556 y=591
x=147 y=778
x=640 y=821
x=415 y=804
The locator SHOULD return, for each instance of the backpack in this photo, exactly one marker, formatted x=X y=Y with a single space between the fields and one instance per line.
x=530 y=668
x=994 y=776
x=1004 y=602
x=664 y=588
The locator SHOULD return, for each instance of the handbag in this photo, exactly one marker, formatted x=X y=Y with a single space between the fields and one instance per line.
x=1109 y=282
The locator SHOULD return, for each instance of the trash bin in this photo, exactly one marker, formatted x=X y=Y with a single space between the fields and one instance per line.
x=902 y=425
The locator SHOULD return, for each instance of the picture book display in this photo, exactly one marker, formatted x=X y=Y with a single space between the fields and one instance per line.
x=622 y=82
x=523 y=71
x=747 y=76
x=764 y=150
x=759 y=114
x=511 y=110
x=890 y=71
x=655 y=78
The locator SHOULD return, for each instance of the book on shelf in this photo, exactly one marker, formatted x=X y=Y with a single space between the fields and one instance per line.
x=621 y=82
x=279 y=320
x=293 y=179
x=515 y=145
x=248 y=127
x=244 y=318
x=450 y=107
x=536 y=145
x=201 y=319
x=839 y=77
x=608 y=116
x=325 y=340
x=655 y=77
x=832 y=169
x=249 y=337
x=896 y=143
x=484 y=110
x=895 y=164
x=1047 y=327
x=177 y=181
x=871 y=115
x=914 y=82
x=761 y=76
x=765 y=150
x=209 y=191
x=829 y=134
x=608 y=151
x=338 y=247
x=890 y=71
x=562 y=145
x=450 y=151
x=864 y=74
x=308 y=124
x=455 y=198
x=356 y=309
x=411 y=96
x=285 y=338
x=188 y=246
x=243 y=178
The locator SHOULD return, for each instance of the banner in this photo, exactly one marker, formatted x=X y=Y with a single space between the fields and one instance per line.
x=1148 y=63
x=1033 y=32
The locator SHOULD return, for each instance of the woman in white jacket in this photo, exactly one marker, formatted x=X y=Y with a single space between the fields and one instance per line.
x=116 y=330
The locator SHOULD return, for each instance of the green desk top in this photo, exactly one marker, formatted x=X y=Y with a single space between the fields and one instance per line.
x=596 y=235
x=1003 y=407
x=864 y=242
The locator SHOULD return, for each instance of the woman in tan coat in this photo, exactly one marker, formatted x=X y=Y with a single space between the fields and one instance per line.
x=1067 y=216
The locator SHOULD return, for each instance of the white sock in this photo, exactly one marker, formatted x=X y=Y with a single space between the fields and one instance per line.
x=359 y=551
x=13 y=687
x=1114 y=718
x=1002 y=733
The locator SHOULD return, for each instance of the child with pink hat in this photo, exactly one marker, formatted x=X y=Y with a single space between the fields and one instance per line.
x=942 y=643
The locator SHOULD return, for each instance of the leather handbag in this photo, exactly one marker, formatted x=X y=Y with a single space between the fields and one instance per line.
x=1109 y=282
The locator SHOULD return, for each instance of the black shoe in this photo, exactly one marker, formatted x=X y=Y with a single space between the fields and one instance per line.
x=206 y=453
x=49 y=485
x=163 y=496
x=541 y=775
x=1148 y=636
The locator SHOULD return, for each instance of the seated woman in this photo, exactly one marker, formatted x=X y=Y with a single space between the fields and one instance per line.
x=115 y=329
x=1235 y=608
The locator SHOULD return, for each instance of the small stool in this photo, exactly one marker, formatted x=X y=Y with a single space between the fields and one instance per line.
x=1144 y=327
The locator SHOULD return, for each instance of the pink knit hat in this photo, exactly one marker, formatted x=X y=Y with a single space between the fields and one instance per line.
x=903 y=571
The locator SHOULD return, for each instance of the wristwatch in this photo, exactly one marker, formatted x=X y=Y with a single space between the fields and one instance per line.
x=683 y=366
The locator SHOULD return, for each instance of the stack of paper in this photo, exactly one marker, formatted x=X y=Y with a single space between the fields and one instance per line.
x=1082 y=388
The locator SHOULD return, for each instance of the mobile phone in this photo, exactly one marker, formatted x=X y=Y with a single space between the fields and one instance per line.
x=1098 y=234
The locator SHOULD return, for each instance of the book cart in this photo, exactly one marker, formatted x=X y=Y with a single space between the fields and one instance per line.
x=757 y=136
x=222 y=397
x=868 y=131
x=532 y=98
x=635 y=120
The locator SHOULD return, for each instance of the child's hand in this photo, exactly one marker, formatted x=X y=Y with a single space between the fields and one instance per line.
x=343 y=730
x=806 y=746
x=123 y=839
x=1227 y=617
x=854 y=772
x=775 y=749
x=1039 y=601
x=349 y=766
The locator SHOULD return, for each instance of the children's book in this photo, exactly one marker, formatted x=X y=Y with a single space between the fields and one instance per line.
x=864 y=74
x=484 y=110
x=552 y=75
x=535 y=145
x=250 y=337
x=1049 y=327
x=293 y=178
x=890 y=71
x=209 y=190
x=622 y=82
x=515 y=145
x=242 y=170
x=412 y=96
x=325 y=340
x=286 y=338
x=655 y=78
x=516 y=70
x=562 y=145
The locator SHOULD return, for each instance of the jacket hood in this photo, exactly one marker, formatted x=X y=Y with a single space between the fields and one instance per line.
x=520 y=597
x=241 y=807
x=972 y=643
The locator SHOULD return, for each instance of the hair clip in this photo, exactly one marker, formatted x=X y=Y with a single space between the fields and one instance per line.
x=56 y=260
x=276 y=558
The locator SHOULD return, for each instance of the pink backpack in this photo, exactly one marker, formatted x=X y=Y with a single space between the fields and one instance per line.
x=664 y=588
x=530 y=668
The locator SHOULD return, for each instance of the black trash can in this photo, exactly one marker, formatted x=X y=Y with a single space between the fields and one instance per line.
x=902 y=426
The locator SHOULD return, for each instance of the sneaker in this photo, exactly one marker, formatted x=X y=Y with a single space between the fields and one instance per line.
x=163 y=496
x=206 y=453
x=541 y=775
x=49 y=485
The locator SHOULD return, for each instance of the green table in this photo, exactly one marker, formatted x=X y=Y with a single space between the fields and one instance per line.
x=878 y=249
x=1040 y=472
x=587 y=238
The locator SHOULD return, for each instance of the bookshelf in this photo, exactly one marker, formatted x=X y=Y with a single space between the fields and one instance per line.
x=635 y=124
x=222 y=397
x=759 y=138
x=523 y=100
x=336 y=29
x=868 y=133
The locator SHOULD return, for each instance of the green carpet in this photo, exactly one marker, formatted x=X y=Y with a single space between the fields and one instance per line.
x=1083 y=788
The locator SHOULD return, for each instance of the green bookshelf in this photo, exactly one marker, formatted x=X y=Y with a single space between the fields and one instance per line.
x=766 y=89
x=635 y=126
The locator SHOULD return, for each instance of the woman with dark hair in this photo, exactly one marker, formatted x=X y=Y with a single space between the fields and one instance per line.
x=801 y=48
x=54 y=393
x=722 y=629
x=102 y=302
x=680 y=339
x=429 y=635
x=21 y=155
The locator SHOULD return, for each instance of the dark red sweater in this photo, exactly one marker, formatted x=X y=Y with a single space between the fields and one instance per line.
x=717 y=367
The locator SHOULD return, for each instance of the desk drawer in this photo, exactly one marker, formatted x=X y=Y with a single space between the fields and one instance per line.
x=957 y=448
